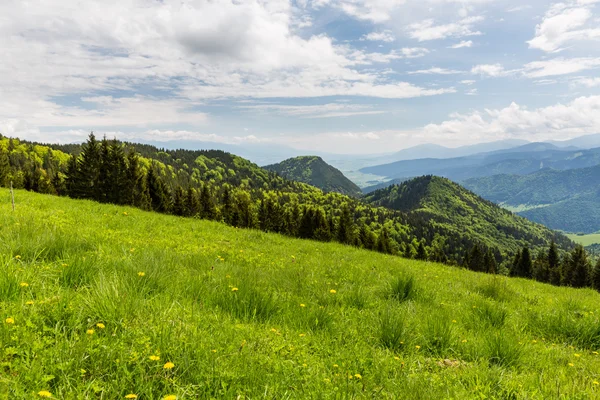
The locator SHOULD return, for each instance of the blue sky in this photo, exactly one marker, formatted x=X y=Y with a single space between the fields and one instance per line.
x=347 y=76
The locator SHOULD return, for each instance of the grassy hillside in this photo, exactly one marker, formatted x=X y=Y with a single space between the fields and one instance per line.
x=566 y=200
x=453 y=208
x=104 y=301
x=314 y=171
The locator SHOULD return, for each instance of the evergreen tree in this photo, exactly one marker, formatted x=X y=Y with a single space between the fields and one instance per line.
x=553 y=265
x=524 y=266
x=321 y=226
x=489 y=262
x=104 y=184
x=207 y=207
x=136 y=190
x=5 y=169
x=117 y=174
x=88 y=170
x=367 y=238
x=476 y=259
x=158 y=195
x=580 y=266
x=421 y=252
x=344 y=228
x=541 y=269
x=179 y=202
x=596 y=276
x=226 y=206
x=192 y=204
x=515 y=264
x=384 y=242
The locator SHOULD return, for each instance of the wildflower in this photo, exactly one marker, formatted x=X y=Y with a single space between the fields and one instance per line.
x=571 y=365
x=273 y=330
x=29 y=303
x=326 y=380
x=464 y=340
x=213 y=350
x=358 y=376
x=44 y=393
x=302 y=305
x=125 y=213
x=90 y=331
x=302 y=334
x=534 y=341
x=141 y=273
x=23 y=284
x=595 y=383
x=335 y=365
x=9 y=320
x=17 y=257
x=417 y=347
x=454 y=321
x=100 y=325
x=154 y=358
x=169 y=365
x=234 y=289
x=595 y=353
x=304 y=365
x=131 y=396
x=577 y=355
x=227 y=276
x=397 y=358
x=131 y=250
x=170 y=397
x=333 y=291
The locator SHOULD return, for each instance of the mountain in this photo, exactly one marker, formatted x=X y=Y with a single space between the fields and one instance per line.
x=104 y=301
x=456 y=209
x=566 y=200
x=520 y=160
x=582 y=142
x=316 y=172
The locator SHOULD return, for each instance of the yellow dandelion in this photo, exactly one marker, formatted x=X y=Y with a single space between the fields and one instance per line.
x=534 y=341
x=595 y=353
x=227 y=276
x=169 y=365
x=170 y=397
x=141 y=273
x=9 y=320
x=44 y=393
x=302 y=305
x=335 y=365
x=131 y=250
x=397 y=358
x=595 y=383
x=326 y=380
x=154 y=358
x=571 y=365
x=23 y=284
x=454 y=321
x=464 y=340
x=100 y=325
x=350 y=377
x=577 y=355
x=131 y=396
x=213 y=350
x=234 y=289
x=417 y=347
x=90 y=331
x=29 y=303
x=333 y=291
x=125 y=213
x=358 y=376
x=304 y=365
x=273 y=330
x=64 y=265
x=302 y=334
x=18 y=257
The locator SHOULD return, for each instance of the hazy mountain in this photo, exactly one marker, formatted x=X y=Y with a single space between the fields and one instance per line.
x=314 y=171
x=582 y=142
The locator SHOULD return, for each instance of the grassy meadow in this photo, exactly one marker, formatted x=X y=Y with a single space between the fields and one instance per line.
x=585 y=240
x=107 y=302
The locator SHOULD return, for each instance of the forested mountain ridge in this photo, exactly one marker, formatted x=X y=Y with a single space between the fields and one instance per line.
x=449 y=206
x=316 y=172
x=222 y=187
x=566 y=200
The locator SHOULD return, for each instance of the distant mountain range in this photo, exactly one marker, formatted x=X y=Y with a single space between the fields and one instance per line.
x=567 y=200
x=314 y=171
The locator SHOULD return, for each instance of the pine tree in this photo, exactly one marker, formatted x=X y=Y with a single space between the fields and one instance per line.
x=384 y=242
x=117 y=193
x=136 y=191
x=5 y=169
x=159 y=197
x=525 y=264
x=476 y=259
x=104 y=184
x=192 y=204
x=322 y=231
x=553 y=265
x=88 y=169
x=489 y=261
x=367 y=238
x=515 y=264
x=580 y=266
x=596 y=276
x=344 y=229
x=207 y=207
x=226 y=206
x=179 y=202
x=421 y=252
x=541 y=269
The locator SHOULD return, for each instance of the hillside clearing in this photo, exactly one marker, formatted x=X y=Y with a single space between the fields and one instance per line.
x=102 y=301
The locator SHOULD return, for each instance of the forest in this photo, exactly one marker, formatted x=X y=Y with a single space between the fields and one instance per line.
x=427 y=221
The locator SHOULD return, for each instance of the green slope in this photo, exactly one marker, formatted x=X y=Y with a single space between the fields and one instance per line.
x=314 y=171
x=91 y=295
x=566 y=200
x=451 y=207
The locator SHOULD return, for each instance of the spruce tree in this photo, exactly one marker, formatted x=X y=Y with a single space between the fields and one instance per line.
x=553 y=265
x=596 y=276
x=541 y=269
x=515 y=264
x=117 y=193
x=525 y=264
x=489 y=261
x=192 y=204
x=421 y=252
x=345 y=225
x=580 y=267
x=89 y=169
x=476 y=259
x=159 y=197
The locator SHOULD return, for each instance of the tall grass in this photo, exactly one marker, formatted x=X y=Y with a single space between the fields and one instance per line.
x=403 y=288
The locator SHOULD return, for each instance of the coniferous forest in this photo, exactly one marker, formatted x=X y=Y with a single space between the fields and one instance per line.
x=414 y=220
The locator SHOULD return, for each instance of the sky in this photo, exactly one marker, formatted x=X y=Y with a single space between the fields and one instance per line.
x=342 y=76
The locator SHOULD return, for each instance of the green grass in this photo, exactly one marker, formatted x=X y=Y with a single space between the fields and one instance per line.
x=585 y=240
x=245 y=314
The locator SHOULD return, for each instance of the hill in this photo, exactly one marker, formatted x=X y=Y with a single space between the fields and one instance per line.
x=455 y=209
x=103 y=301
x=316 y=172
x=566 y=200
x=518 y=161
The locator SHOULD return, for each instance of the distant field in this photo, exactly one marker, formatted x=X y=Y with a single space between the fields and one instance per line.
x=585 y=240
x=522 y=207
x=110 y=302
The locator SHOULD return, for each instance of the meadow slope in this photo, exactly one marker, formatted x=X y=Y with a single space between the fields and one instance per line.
x=100 y=302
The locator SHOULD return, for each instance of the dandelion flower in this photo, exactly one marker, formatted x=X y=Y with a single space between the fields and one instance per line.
x=577 y=355
x=335 y=365
x=595 y=383
x=44 y=393
x=170 y=397
x=595 y=353
x=234 y=289
x=333 y=291
x=397 y=358
x=154 y=358
x=100 y=325
x=302 y=334
x=18 y=257
x=23 y=284
x=29 y=303
x=90 y=331
x=141 y=273
x=417 y=347
x=358 y=376
x=464 y=340
x=131 y=396
x=302 y=305
x=571 y=365
x=273 y=330
x=9 y=320
x=125 y=213
x=213 y=350
x=169 y=365
x=64 y=265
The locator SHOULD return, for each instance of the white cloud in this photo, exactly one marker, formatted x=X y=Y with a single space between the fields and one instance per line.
x=329 y=110
x=413 y=52
x=560 y=66
x=383 y=36
x=427 y=30
x=462 y=44
x=562 y=24
x=471 y=92
x=493 y=70
x=578 y=117
x=436 y=71
x=467 y=82
x=586 y=82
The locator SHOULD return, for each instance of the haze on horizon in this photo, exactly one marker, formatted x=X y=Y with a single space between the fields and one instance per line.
x=345 y=76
